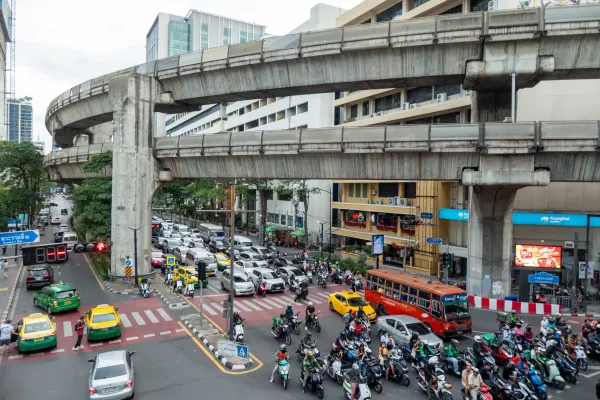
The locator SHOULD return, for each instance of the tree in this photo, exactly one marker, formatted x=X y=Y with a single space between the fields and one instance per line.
x=205 y=193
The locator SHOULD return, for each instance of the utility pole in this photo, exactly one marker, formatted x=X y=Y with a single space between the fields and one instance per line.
x=575 y=271
x=135 y=253
x=232 y=252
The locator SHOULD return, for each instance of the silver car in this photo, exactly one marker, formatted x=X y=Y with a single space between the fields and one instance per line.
x=255 y=257
x=243 y=285
x=111 y=376
x=401 y=328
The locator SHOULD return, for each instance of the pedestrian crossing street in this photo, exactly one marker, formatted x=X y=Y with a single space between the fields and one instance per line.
x=270 y=302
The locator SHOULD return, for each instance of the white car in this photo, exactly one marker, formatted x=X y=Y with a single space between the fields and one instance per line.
x=242 y=284
x=55 y=220
x=286 y=272
x=166 y=234
x=63 y=228
x=263 y=251
x=257 y=258
x=270 y=278
x=245 y=266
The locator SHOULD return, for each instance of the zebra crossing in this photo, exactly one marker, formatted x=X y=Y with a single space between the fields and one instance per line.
x=268 y=303
x=149 y=317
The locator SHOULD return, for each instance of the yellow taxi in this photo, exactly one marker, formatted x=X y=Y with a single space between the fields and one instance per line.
x=189 y=274
x=103 y=322
x=223 y=262
x=36 y=332
x=343 y=302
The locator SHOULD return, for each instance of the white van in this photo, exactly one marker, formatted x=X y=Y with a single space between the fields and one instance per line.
x=210 y=232
x=70 y=239
x=194 y=256
x=181 y=228
x=242 y=243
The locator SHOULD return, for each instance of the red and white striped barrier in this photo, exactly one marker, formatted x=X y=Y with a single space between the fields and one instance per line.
x=506 y=305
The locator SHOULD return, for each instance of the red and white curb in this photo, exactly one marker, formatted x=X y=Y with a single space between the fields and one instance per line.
x=11 y=296
x=595 y=316
x=485 y=303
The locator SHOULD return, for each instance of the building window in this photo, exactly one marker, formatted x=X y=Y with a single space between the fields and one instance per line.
x=388 y=189
x=243 y=37
x=354 y=111
x=284 y=196
x=450 y=90
x=365 y=190
x=366 y=22
x=391 y=13
x=179 y=38
x=454 y=10
x=204 y=37
x=351 y=190
x=410 y=190
x=419 y=95
x=290 y=220
x=365 y=108
x=450 y=118
x=418 y=3
x=387 y=102
x=268 y=194
x=226 y=36
x=283 y=219
x=479 y=5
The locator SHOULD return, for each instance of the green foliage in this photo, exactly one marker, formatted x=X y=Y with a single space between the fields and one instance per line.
x=102 y=263
x=355 y=265
x=97 y=162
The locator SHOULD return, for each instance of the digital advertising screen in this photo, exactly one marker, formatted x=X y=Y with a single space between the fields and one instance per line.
x=538 y=256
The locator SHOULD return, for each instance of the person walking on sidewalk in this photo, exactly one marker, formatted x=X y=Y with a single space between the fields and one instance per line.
x=79 y=326
x=6 y=330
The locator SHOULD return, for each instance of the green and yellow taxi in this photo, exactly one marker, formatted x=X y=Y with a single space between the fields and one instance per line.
x=36 y=332
x=57 y=298
x=102 y=322
x=223 y=262
x=344 y=302
x=189 y=274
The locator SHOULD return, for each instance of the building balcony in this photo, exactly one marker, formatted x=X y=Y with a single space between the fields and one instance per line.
x=414 y=111
x=429 y=8
x=361 y=95
x=396 y=238
x=384 y=207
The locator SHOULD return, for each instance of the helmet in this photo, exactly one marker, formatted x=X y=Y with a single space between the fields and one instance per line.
x=477 y=339
x=551 y=319
x=574 y=335
x=551 y=343
x=475 y=370
x=513 y=312
x=433 y=361
x=355 y=366
x=425 y=342
x=289 y=305
x=236 y=314
x=390 y=346
x=558 y=316
x=310 y=353
x=308 y=334
x=518 y=324
x=310 y=303
x=415 y=335
x=342 y=333
x=335 y=347
x=454 y=342
x=282 y=315
x=282 y=347
x=353 y=312
x=528 y=327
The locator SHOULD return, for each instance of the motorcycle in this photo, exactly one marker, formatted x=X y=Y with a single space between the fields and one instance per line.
x=315 y=383
x=295 y=323
x=362 y=390
x=189 y=290
x=581 y=358
x=336 y=277
x=358 y=284
x=536 y=384
x=238 y=333
x=313 y=322
x=440 y=389
x=333 y=368
x=293 y=285
x=301 y=293
x=285 y=335
x=309 y=275
x=399 y=372
x=448 y=367
x=145 y=288
x=284 y=373
x=552 y=377
x=373 y=373
x=483 y=393
x=567 y=370
x=323 y=280
x=169 y=278
x=261 y=289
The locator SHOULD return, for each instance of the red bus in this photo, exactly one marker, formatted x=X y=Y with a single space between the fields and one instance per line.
x=444 y=308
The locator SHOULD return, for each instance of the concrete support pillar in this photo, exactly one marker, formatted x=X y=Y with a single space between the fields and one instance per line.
x=222 y=116
x=490 y=107
x=134 y=170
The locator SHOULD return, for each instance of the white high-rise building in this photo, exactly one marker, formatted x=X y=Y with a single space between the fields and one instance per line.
x=5 y=30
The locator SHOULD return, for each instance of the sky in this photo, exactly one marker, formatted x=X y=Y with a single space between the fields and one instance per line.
x=62 y=43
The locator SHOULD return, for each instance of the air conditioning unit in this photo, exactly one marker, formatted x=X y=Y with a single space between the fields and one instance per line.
x=372 y=115
x=378 y=202
x=402 y=202
x=413 y=106
x=369 y=202
x=441 y=97
x=373 y=192
x=491 y=5
x=403 y=253
x=396 y=200
x=405 y=106
x=390 y=201
x=379 y=113
x=468 y=93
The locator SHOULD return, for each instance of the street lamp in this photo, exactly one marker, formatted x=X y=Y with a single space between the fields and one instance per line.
x=447 y=245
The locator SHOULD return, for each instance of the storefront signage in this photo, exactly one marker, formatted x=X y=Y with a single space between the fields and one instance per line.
x=543 y=278
x=528 y=218
x=536 y=256
x=454 y=297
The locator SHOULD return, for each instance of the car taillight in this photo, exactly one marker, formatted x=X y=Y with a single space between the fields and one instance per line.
x=92 y=390
x=29 y=276
x=46 y=275
x=128 y=384
x=78 y=297
x=52 y=334
x=55 y=303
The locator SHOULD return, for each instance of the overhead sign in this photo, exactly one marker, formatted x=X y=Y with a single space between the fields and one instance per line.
x=19 y=237
x=453 y=214
x=425 y=215
x=377 y=245
x=529 y=218
x=543 y=278
x=536 y=256
x=434 y=240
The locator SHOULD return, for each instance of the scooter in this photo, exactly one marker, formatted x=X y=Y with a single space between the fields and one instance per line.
x=553 y=377
x=536 y=384
x=261 y=288
x=169 y=278
x=581 y=358
x=362 y=390
x=482 y=394
x=567 y=370
x=189 y=290
x=238 y=333
x=440 y=388
x=323 y=280
x=315 y=382
x=309 y=275
x=336 y=277
x=295 y=323
x=373 y=373
x=284 y=373
x=398 y=372
x=285 y=335
x=293 y=285
x=145 y=288
x=333 y=368
x=301 y=293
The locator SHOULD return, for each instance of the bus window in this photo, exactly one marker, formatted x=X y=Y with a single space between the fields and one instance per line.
x=424 y=301
x=396 y=291
x=370 y=279
x=381 y=285
x=436 y=306
x=388 y=288
x=404 y=293
x=412 y=298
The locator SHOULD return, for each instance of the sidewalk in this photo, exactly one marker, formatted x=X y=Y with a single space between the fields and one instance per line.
x=8 y=288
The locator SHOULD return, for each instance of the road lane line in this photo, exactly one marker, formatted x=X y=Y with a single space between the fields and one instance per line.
x=15 y=356
x=288 y=298
x=96 y=344
x=272 y=303
x=251 y=304
x=138 y=318
x=242 y=306
x=132 y=338
x=165 y=333
x=313 y=299
x=205 y=307
x=263 y=305
x=218 y=307
x=149 y=335
x=151 y=316
x=57 y=351
x=179 y=330
x=282 y=302
x=39 y=353
x=114 y=341
x=163 y=314
x=324 y=295
x=87 y=261
x=67 y=329
x=125 y=321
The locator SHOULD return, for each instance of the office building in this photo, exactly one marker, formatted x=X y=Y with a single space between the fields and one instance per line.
x=5 y=31
x=20 y=120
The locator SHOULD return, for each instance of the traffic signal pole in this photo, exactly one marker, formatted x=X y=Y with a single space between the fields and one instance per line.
x=445 y=266
x=135 y=254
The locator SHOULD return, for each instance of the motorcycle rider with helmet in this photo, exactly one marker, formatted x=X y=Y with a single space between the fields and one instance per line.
x=282 y=354
x=528 y=337
x=451 y=353
x=353 y=377
x=475 y=383
x=310 y=313
x=430 y=366
x=425 y=351
x=237 y=318
x=309 y=362
x=289 y=313
x=386 y=355
x=479 y=351
x=509 y=373
x=278 y=323
x=308 y=341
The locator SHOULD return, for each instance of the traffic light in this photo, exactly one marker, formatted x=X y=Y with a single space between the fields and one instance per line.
x=97 y=247
x=445 y=260
x=201 y=270
x=45 y=254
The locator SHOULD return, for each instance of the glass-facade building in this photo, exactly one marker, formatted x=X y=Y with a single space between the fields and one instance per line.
x=20 y=120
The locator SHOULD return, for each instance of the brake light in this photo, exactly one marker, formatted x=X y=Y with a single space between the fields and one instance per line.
x=92 y=390
x=128 y=384
x=29 y=276
x=52 y=334
x=46 y=275
x=55 y=303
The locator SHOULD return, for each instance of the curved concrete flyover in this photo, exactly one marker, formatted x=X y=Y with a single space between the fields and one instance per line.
x=479 y=50
x=436 y=152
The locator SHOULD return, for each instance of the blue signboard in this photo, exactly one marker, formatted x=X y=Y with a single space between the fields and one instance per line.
x=434 y=240
x=128 y=262
x=455 y=297
x=242 y=351
x=543 y=277
x=12 y=223
x=453 y=214
x=19 y=237
x=425 y=215
x=529 y=218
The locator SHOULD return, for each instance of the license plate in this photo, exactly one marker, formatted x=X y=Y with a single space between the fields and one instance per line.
x=67 y=301
x=38 y=339
x=104 y=329
x=110 y=390
x=461 y=327
x=460 y=332
x=38 y=278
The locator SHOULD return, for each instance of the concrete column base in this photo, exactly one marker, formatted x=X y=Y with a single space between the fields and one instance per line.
x=135 y=175
x=490 y=107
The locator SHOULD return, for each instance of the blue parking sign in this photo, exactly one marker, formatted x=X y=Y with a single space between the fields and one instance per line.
x=242 y=351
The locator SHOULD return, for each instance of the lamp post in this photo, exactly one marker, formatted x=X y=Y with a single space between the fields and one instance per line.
x=321 y=237
x=330 y=222
x=447 y=246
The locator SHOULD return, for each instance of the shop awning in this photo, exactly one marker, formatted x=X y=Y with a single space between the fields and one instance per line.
x=271 y=228
x=299 y=232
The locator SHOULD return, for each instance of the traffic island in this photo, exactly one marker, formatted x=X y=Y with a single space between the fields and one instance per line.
x=120 y=288
x=211 y=336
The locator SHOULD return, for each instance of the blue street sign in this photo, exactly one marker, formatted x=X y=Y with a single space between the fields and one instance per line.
x=19 y=237
x=434 y=240
x=543 y=277
x=242 y=351
x=426 y=215
x=128 y=262
x=12 y=223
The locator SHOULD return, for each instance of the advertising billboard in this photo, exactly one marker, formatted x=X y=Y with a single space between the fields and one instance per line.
x=538 y=256
x=377 y=246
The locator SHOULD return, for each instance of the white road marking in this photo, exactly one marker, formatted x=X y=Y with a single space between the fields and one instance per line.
x=217 y=306
x=288 y=298
x=114 y=341
x=138 y=318
x=325 y=295
x=132 y=338
x=251 y=304
x=260 y=303
x=163 y=314
x=165 y=333
x=67 y=329
x=279 y=302
x=589 y=375
x=313 y=299
x=179 y=330
x=149 y=335
x=57 y=351
x=205 y=307
x=271 y=303
x=242 y=306
x=15 y=356
x=125 y=321
x=96 y=344
x=39 y=353
x=567 y=387
x=151 y=316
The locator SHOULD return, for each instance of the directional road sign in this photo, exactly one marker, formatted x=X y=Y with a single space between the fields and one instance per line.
x=19 y=237
x=434 y=240
x=425 y=215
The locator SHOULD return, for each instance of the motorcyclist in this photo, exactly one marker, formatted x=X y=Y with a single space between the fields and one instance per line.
x=353 y=377
x=572 y=342
x=451 y=353
x=308 y=341
x=528 y=336
x=425 y=351
x=336 y=352
x=386 y=354
x=282 y=354
x=341 y=341
x=487 y=375
x=303 y=286
x=278 y=323
x=310 y=313
x=512 y=319
x=237 y=318
x=289 y=313
x=559 y=322
x=309 y=362
x=430 y=373
x=414 y=338
x=506 y=332
x=479 y=350
x=509 y=373
x=465 y=378
x=517 y=332
x=360 y=314
x=475 y=383
x=551 y=324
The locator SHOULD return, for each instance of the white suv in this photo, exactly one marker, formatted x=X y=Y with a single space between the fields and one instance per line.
x=254 y=257
x=274 y=283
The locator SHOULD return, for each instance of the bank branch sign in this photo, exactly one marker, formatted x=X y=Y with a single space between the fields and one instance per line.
x=528 y=218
